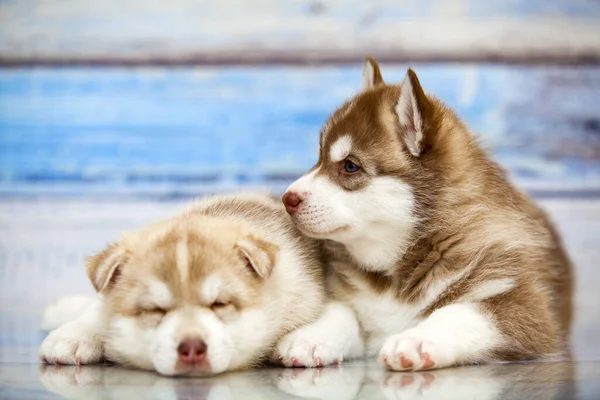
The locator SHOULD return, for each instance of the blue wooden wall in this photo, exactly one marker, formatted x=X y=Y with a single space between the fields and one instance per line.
x=85 y=130
x=201 y=127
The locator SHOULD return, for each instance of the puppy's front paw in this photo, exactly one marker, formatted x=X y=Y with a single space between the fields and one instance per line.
x=412 y=351
x=310 y=347
x=73 y=344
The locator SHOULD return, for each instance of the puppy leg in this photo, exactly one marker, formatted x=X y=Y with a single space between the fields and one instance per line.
x=455 y=334
x=335 y=336
x=78 y=341
x=65 y=309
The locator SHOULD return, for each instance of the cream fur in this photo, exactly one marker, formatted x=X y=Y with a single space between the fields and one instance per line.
x=138 y=321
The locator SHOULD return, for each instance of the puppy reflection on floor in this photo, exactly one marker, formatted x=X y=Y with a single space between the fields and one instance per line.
x=350 y=381
x=489 y=382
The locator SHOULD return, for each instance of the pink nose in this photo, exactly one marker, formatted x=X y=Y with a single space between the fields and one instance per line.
x=291 y=200
x=192 y=351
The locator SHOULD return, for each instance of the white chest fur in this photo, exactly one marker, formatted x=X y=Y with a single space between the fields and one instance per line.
x=381 y=316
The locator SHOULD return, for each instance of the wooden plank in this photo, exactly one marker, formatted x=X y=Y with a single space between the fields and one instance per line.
x=185 y=32
x=181 y=132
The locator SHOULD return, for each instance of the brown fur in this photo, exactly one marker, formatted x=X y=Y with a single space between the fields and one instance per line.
x=473 y=224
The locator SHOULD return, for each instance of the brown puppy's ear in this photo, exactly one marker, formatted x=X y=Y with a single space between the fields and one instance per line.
x=104 y=268
x=411 y=109
x=371 y=74
x=260 y=255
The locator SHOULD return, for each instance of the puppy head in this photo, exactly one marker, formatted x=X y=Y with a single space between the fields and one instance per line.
x=376 y=168
x=186 y=298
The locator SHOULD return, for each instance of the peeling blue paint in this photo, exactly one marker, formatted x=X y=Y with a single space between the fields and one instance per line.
x=126 y=128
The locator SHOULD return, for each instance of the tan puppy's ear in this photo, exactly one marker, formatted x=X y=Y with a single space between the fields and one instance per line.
x=104 y=268
x=260 y=256
x=371 y=74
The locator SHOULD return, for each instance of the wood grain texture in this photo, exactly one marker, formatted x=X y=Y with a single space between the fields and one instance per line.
x=184 y=131
x=298 y=31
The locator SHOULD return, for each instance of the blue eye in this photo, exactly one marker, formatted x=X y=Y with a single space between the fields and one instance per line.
x=350 y=167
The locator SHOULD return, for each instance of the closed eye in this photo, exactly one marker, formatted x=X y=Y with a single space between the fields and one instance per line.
x=155 y=310
x=217 y=304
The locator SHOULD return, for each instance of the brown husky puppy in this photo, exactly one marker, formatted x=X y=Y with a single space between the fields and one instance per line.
x=438 y=260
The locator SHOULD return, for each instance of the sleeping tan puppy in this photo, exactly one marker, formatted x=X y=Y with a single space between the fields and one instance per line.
x=210 y=290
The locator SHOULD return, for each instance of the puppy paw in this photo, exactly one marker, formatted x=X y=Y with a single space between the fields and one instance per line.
x=411 y=351
x=71 y=344
x=309 y=347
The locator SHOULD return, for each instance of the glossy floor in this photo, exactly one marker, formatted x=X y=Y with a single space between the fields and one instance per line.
x=357 y=380
x=42 y=245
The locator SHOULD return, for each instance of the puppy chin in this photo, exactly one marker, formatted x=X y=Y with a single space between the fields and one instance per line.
x=320 y=232
x=181 y=369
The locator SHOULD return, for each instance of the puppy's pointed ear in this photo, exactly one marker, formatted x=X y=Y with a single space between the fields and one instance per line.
x=104 y=268
x=411 y=109
x=260 y=256
x=371 y=74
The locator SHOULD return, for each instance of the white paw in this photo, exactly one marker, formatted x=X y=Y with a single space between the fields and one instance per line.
x=412 y=351
x=310 y=347
x=73 y=344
